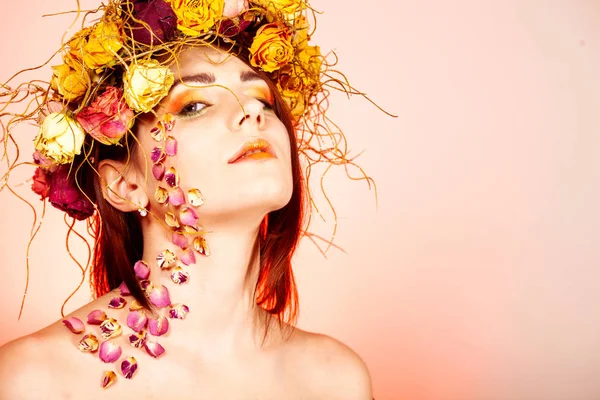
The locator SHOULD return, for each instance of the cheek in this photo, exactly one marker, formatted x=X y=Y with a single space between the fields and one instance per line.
x=198 y=161
x=193 y=162
x=201 y=163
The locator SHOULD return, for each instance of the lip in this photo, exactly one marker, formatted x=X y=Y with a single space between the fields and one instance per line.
x=252 y=144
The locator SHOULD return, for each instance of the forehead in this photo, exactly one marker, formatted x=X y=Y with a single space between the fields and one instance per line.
x=207 y=59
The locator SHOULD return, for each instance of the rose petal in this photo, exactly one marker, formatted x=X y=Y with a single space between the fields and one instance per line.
x=171 y=146
x=137 y=320
x=141 y=269
x=159 y=296
x=159 y=326
x=135 y=305
x=154 y=349
x=89 y=343
x=157 y=155
x=128 y=367
x=138 y=339
x=158 y=133
x=124 y=289
x=144 y=283
x=117 y=302
x=110 y=328
x=193 y=229
x=166 y=259
x=161 y=195
x=200 y=246
x=188 y=257
x=176 y=196
x=179 y=239
x=171 y=220
x=74 y=324
x=158 y=170
x=178 y=311
x=96 y=317
x=110 y=351
x=179 y=276
x=188 y=216
x=195 y=197
x=168 y=122
x=172 y=177
x=108 y=379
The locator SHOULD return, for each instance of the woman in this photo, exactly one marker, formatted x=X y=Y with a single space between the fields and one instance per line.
x=174 y=129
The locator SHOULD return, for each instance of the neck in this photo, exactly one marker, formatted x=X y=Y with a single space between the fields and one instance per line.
x=219 y=293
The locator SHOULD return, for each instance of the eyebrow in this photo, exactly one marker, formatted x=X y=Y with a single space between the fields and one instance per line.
x=208 y=78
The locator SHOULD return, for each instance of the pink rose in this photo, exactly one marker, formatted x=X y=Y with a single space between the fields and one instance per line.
x=233 y=8
x=108 y=118
x=67 y=197
x=41 y=184
x=50 y=107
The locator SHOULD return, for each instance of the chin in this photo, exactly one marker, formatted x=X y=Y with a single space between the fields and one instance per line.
x=259 y=196
x=265 y=194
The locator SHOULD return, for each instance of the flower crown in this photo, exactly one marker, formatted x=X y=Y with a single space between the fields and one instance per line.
x=111 y=72
x=118 y=68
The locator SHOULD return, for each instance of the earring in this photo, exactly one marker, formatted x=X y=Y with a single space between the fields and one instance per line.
x=143 y=212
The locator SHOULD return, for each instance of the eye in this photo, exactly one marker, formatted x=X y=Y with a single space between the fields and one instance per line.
x=268 y=106
x=192 y=109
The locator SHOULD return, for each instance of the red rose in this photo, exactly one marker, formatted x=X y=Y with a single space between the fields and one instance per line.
x=235 y=25
x=108 y=118
x=67 y=197
x=158 y=16
x=41 y=184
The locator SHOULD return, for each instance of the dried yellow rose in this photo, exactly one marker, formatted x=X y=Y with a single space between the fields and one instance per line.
x=271 y=48
x=296 y=102
x=102 y=45
x=195 y=17
x=145 y=84
x=70 y=79
x=295 y=84
x=292 y=88
x=310 y=62
x=77 y=42
x=288 y=79
x=284 y=6
x=60 y=138
x=301 y=36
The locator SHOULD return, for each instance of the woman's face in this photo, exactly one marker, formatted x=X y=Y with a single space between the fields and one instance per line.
x=219 y=104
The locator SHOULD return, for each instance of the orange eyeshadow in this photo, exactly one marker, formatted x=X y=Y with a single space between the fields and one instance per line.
x=178 y=102
x=261 y=92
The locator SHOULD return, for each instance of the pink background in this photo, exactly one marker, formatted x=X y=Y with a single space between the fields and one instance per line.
x=477 y=278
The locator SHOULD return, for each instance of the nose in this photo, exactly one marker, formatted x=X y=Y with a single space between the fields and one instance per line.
x=250 y=114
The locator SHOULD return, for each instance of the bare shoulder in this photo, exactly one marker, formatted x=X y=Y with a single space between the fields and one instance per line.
x=40 y=366
x=332 y=366
x=25 y=372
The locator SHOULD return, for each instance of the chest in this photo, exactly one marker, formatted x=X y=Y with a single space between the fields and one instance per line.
x=223 y=381
x=165 y=379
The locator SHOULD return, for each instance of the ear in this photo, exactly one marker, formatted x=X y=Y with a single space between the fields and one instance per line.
x=120 y=186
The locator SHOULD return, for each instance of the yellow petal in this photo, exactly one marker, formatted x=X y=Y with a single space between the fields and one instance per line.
x=108 y=379
x=195 y=197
